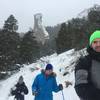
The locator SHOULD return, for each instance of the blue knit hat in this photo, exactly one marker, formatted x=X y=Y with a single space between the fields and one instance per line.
x=49 y=67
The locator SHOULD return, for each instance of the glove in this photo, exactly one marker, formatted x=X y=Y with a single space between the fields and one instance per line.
x=22 y=93
x=34 y=93
x=67 y=83
x=60 y=86
x=13 y=88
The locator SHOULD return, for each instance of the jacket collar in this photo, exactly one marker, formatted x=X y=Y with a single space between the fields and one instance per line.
x=93 y=54
x=53 y=73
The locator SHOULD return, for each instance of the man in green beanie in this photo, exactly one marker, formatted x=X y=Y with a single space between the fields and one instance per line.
x=87 y=71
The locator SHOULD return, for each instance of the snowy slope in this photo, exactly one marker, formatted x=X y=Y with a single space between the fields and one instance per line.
x=62 y=63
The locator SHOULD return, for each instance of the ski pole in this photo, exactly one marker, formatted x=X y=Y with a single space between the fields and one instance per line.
x=63 y=95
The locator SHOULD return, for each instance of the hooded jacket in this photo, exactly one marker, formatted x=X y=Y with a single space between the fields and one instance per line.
x=44 y=86
x=20 y=91
x=87 y=76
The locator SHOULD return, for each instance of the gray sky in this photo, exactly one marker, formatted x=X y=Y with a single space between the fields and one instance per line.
x=53 y=11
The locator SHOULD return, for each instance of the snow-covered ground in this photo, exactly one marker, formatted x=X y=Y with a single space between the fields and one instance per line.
x=63 y=66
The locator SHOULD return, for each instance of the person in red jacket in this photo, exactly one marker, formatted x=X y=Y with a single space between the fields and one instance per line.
x=19 y=90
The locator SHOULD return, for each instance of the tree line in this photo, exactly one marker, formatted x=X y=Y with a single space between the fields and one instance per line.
x=74 y=33
x=15 y=49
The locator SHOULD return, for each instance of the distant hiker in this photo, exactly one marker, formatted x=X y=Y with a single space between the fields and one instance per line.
x=45 y=83
x=19 y=90
x=87 y=71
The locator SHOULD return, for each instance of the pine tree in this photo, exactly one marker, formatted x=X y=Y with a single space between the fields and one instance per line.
x=63 y=39
x=9 y=49
x=10 y=24
x=29 y=50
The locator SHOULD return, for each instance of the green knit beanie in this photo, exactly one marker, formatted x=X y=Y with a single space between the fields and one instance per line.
x=94 y=36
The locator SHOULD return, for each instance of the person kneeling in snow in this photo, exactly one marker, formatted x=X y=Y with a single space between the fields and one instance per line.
x=45 y=83
x=19 y=90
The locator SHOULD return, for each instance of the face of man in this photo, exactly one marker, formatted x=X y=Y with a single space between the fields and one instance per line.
x=96 y=45
x=48 y=72
x=20 y=81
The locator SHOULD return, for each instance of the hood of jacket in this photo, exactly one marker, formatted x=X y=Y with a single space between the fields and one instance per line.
x=53 y=73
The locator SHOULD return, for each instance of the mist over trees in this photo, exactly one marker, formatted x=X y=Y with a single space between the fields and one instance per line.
x=73 y=33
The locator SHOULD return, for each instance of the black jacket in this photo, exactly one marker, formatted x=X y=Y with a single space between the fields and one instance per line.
x=20 y=91
x=85 y=84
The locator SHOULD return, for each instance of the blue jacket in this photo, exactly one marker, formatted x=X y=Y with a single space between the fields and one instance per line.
x=44 y=86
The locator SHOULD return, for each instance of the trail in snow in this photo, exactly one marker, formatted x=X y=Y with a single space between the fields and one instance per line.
x=59 y=62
